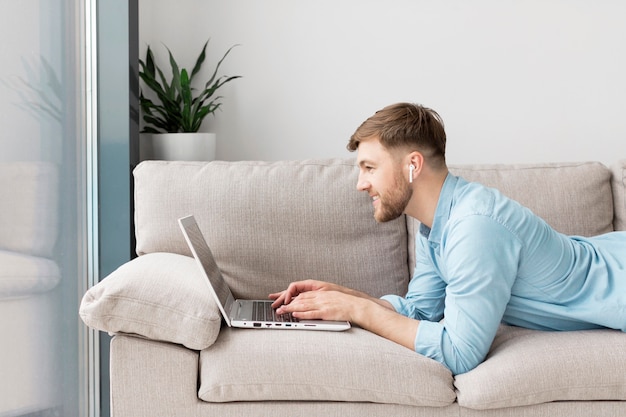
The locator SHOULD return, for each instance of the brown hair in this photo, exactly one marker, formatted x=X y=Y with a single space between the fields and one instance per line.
x=405 y=125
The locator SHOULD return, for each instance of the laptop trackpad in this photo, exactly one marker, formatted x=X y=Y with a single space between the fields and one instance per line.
x=243 y=310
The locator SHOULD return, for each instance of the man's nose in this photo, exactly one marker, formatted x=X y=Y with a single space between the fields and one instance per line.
x=362 y=185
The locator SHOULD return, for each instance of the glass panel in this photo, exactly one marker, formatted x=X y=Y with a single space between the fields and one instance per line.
x=44 y=251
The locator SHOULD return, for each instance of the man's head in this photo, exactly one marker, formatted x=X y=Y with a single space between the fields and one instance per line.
x=405 y=127
x=397 y=145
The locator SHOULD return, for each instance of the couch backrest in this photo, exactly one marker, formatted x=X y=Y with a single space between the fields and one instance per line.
x=29 y=194
x=574 y=198
x=619 y=194
x=271 y=223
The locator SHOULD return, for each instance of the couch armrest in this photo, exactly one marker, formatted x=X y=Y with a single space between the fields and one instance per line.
x=151 y=378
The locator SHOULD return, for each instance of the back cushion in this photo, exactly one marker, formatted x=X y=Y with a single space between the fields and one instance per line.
x=619 y=194
x=271 y=223
x=29 y=207
x=574 y=198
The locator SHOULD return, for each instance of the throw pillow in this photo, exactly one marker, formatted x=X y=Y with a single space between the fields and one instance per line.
x=161 y=296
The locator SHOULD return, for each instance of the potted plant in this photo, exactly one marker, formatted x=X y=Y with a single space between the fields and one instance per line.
x=175 y=116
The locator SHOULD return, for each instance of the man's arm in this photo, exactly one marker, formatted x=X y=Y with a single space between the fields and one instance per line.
x=385 y=322
x=299 y=287
x=480 y=257
x=331 y=302
x=481 y=261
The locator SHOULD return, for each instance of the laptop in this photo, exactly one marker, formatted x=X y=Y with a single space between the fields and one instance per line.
x=254 y=314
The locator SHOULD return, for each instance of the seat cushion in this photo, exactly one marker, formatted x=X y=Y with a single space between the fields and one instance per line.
x=355 y=365
x=526 y=367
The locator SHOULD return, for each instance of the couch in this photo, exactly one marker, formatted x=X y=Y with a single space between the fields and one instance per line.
x=269 y=223
x=29 y=278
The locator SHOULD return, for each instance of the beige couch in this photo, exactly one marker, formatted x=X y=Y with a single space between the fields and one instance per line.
x=271 y=223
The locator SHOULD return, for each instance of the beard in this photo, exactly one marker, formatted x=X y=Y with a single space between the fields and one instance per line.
x=393 y=203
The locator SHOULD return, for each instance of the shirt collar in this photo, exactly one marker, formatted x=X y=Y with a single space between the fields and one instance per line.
x=442 y=213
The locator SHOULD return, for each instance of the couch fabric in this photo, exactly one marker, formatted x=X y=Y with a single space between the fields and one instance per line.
x=142 y=298
x=271 y=223
x=618 y=183
x=254 y=214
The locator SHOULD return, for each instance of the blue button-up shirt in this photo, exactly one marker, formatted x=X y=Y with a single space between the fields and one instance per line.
x=487 y=260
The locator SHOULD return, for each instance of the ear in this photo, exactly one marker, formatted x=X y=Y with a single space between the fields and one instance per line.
x=416 y=159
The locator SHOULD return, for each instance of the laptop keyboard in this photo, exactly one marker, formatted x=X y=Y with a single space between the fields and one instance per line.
x=263 y=311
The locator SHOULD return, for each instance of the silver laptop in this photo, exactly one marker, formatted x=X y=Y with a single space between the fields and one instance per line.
x=254 y=314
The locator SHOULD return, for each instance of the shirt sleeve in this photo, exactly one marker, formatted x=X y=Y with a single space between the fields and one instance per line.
x=479 y=258
x=426 y=293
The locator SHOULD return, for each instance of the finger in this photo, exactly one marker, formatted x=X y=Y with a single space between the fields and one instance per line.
x=289 y=307
x=279 y=299
x=308 y=315
x=276 y=303
x=276 y=295
x=293 y=290
x=284 y=297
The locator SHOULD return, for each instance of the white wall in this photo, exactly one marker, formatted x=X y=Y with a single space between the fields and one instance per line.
x=515 y=81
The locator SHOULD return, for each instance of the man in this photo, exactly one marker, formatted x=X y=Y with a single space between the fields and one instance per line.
x=481 y=258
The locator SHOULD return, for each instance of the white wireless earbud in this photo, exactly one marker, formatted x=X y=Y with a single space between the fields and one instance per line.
x=411 y=169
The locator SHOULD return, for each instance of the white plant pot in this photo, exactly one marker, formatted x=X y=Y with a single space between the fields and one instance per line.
x=177 y=146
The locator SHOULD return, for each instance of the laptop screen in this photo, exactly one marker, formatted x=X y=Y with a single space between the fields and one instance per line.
x=202 y=253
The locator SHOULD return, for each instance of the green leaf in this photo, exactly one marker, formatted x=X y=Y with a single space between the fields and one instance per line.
x=150 y=62
x=185 y=92
x=217 y=67
x=199 y=61
x=178 y=106
x=175 y=85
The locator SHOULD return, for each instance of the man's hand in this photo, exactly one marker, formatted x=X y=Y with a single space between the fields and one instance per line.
x=322 y=305
x=297 y=288
x=311 y=300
